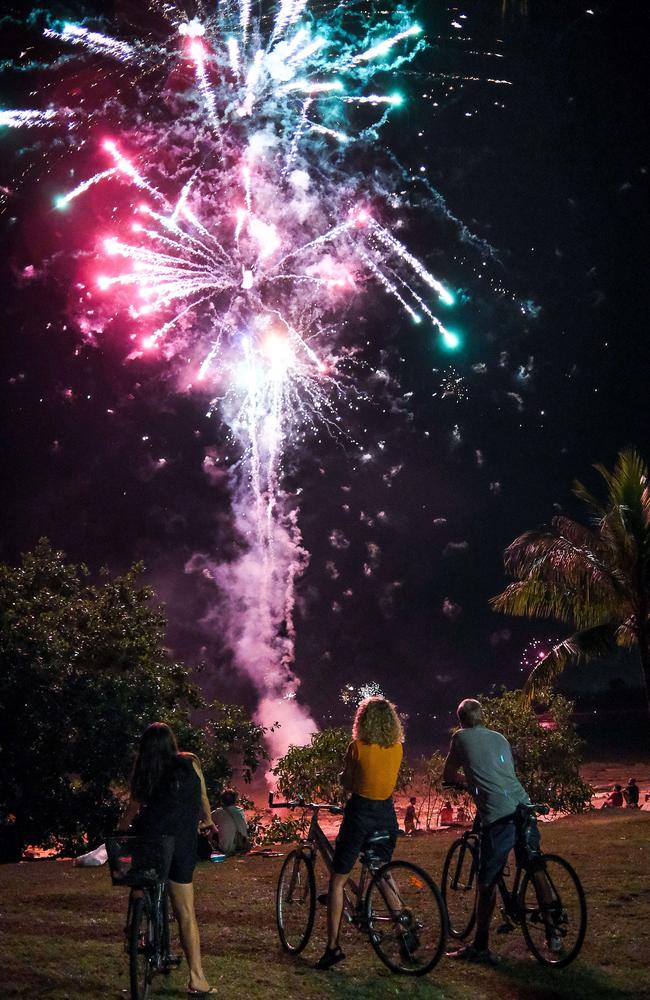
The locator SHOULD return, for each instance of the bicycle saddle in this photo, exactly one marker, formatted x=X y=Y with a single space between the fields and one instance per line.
x=378 y=837
x=372 y=852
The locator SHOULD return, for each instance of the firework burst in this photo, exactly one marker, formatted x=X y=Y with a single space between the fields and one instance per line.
x=244 y=233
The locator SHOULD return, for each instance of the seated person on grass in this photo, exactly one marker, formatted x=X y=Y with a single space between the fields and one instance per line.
x=232 y=830
x=631 y=794
x=615 y=798
x=372 y=764
x=446 y=815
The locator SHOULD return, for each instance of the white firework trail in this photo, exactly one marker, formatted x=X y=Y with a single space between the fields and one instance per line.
x=242 y=240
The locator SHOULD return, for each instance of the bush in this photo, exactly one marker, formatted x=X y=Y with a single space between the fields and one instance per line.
x=313 y=771
x=434 y=794
x=548 y=756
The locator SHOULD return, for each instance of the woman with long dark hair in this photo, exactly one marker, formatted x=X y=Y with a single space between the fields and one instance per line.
x=168 y=798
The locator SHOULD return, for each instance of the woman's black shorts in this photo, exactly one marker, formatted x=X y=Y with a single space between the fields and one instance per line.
x=362 y=818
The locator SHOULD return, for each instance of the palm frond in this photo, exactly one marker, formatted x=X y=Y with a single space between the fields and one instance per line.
x=626 y=636
x=555 y=557
x=628 y=493
x=585 y=645
x=535 y=599
x=539 y=599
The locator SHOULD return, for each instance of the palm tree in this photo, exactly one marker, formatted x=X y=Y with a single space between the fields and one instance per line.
x=595 y=579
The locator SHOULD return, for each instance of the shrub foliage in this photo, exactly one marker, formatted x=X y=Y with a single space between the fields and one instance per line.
x=547 y=751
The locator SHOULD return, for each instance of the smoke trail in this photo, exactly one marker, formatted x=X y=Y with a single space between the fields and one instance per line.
x=248 y=213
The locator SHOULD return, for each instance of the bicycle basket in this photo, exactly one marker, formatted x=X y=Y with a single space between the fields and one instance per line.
x=139 y=861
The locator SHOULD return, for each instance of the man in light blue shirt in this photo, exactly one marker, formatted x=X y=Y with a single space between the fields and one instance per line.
x=485 y=758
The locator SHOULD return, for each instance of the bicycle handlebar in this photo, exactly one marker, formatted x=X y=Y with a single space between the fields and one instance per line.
x=300 y=803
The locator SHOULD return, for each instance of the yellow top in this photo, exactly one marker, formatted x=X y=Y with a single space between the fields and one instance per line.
x=371 y=770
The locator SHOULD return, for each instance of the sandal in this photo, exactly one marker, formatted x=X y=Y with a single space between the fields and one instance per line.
x=330 y=957
x=211 y=991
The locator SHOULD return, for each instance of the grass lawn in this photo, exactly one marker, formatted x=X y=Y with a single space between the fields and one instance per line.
x=61 y=931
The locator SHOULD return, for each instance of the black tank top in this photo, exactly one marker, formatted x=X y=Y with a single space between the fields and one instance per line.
x=175 y=807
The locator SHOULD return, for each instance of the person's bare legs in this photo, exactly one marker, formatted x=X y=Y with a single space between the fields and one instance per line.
x=485 y=903
x=335 y=908
x=182 y=897
x=546 y=899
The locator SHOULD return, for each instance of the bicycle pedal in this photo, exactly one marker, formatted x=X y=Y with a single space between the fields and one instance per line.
x=506 y=928
x=172 y=961
x=322 y=899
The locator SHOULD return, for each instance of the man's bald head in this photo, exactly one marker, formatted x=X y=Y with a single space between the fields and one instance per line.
x=470 y=713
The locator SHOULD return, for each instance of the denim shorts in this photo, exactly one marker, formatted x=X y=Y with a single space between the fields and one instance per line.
x=497 y=840
x=362 y=818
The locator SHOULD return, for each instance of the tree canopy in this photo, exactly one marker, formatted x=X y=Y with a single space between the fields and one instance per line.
x=594 y=578
x=547 y=751
x=313 y=771
x=83 y=670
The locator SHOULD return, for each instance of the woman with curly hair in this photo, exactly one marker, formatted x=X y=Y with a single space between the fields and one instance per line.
x=372 y=763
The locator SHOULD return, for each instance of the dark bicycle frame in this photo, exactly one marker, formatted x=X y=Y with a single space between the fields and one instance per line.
x=512 y=905
x=158 y=898
x=315 y=842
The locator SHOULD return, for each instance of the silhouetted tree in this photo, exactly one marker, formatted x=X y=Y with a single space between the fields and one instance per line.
x=83 y=670
x=595 y=579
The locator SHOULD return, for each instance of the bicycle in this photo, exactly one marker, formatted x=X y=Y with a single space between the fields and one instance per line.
x=546 y=898
x=141 y=864
x=397 y=904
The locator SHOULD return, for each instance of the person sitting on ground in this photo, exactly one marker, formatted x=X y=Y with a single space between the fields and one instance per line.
x=168 y=798
x=372 y=763
x=485 y=758
x=615 y=798
x=232 y=830
x=631 y=794
x=410 y=818
x=446 y=814
x=462 y=815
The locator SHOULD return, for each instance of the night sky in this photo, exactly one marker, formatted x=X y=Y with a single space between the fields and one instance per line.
x=106 y=457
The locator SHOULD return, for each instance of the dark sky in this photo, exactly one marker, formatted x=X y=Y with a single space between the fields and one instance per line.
x=552 y=171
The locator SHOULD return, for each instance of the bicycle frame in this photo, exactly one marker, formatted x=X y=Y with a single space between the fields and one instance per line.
x=159 y=903
x=509 y=897
x=314 y=843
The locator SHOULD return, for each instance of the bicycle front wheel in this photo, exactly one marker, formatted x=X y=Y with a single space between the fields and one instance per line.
x=295 y=901
x=554 y=911
x=406 y=918
x=459 y=884
x=141 y=948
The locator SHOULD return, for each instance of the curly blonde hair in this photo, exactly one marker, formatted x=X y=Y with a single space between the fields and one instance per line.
x=377 y=721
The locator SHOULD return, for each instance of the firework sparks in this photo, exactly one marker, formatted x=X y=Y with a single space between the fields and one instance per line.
x=452 y=386
x=534 y=652
x=240 y=245
x=352 y=694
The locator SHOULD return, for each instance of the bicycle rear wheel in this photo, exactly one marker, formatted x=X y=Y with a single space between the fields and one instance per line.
x=141 y=948
x=459 y=884
x=556 y=904
x=406 y=918
x=295 y=901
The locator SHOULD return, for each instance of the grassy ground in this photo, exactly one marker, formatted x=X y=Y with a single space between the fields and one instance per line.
x=61 y=931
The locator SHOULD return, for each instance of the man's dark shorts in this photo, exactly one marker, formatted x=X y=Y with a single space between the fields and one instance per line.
x=497 y=840
x=362 y=818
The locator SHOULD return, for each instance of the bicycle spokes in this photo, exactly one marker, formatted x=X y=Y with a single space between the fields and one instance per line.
x=406 y=918
x=296 y=901
x=459 y=880
x=554 y=912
